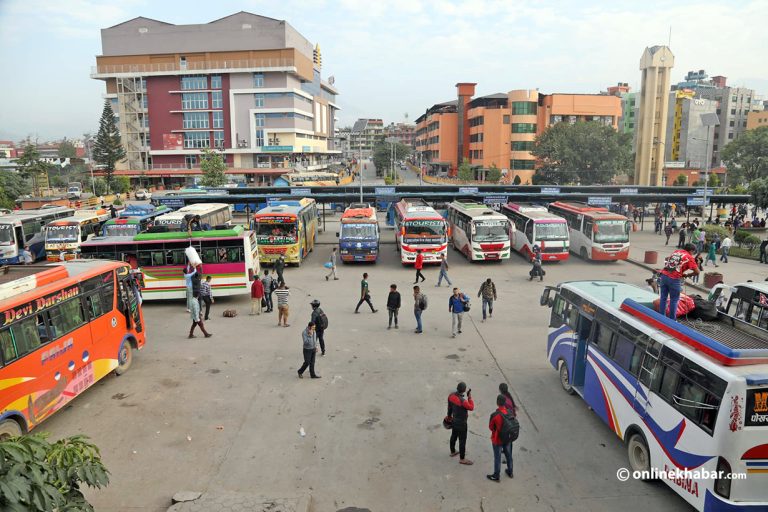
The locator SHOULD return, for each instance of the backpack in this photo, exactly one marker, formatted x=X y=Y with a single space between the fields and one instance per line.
x=704 y=309
x=423 y=302
x=323 y=320
x=510 y=428
x=229 y=313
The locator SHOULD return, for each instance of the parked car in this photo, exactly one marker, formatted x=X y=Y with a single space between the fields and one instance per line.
x=143 y=194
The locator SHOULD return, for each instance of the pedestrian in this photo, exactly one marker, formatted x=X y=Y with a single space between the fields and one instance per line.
x=112 y=211
x=320 y=320
x=419 y=305
x=725 y=248
x=457 y=303
x=488 y=293
x=365 y=296
x=711 y=254
x=500 y=425
x=282 y=304
x=26 y=256
x=716 y=240
x=678 y=265
x=458 y=410
x=443 y=271
x=257 y=296
x=418 y=265
x=537 y=270
x=193 y=306
x=393 y=305
x=189 y=271
x=681 y=236
x=309 y=347
x=700 y=265
x=701 y=240
x=206 y=296
x=279 y=267
x=694 y=239
x=332 y=261
x=668 y=231
x=763 y=250
x=267 y=284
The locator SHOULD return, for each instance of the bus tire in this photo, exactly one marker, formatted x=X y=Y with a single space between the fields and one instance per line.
x=565 y=378
x=583 y=253
x=124 y=358
x=10 y=428
x=638 y=454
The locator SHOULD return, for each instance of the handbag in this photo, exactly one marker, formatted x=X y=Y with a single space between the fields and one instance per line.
x=467 y=305
x=263 y=302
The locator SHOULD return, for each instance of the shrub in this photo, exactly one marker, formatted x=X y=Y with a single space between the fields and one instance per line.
x=117 y=201
x=746 y=239
x=711 y=229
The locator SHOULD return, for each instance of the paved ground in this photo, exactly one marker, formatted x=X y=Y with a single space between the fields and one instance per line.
x=224 y=414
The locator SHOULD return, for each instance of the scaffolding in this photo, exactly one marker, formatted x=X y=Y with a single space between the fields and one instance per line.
x=133 y=125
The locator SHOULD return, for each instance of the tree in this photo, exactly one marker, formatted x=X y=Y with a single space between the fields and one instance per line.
x=747 y=157
x=382 y=155
x=121 y=185
x=681 y=180
x=213 y=167
x=585 y=152
x=493 y=175
x=32 y=168
x=107 y=149
x=713 y=181
x=67 y=149
x=466 y=173
x=758 y=190
x=36 y=475
x=12 y=186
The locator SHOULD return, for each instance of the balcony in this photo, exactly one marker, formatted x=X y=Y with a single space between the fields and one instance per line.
x=176 y=68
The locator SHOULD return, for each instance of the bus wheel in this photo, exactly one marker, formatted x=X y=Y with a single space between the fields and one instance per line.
x=9 y=428
x=565 y=378
x=124 y=358
x=583 y=253
x=638 y=454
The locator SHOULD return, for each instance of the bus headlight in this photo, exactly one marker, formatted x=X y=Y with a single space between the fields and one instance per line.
x=723 y=481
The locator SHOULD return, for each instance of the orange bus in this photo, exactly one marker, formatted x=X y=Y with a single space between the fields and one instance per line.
x=62 y=328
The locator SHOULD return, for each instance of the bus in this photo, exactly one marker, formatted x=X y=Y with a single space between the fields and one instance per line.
x=286 y=227
x=134 y=219
x=535 y=225
x=230 y=257
x=682 y=395
x=63 y=327
x=746 y=301
x=595 y=233
x=311 y=179
x=359 y=233
x=212 y=216
x=64 y=236
x=25 y=227
x=477 y=231
x=419 y=228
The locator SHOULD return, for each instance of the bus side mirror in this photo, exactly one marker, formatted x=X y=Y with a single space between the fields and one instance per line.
x=545 y=300
x=448 y=231
x=402 y=231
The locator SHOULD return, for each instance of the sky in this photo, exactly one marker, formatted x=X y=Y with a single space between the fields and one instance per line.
x=391 y=59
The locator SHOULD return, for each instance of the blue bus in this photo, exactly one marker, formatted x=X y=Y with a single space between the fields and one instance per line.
x=359 y=235
x=134 y=219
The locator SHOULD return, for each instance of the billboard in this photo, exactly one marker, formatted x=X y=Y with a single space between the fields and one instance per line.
x=173 y=141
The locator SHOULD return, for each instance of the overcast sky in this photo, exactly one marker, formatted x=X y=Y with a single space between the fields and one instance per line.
x=390 y=57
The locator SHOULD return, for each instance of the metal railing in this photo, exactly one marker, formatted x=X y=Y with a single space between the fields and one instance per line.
x=160 y=67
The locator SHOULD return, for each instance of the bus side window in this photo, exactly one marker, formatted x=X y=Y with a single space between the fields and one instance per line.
x=7 y=345
x=573 y=317
x=26 y=336
x=209 y=255
x=529 y=230
x=559 y=307
x=235 y=254
x=665 y=383
x=158 y=260
x=42 y=329
x=145 y=259
x=95 y=308
x=624 y=352
x=605 y=339
x=587 y=228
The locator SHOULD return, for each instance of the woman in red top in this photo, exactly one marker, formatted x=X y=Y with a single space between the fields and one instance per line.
x=678 y=265
x=418 y=265
x=257 y=295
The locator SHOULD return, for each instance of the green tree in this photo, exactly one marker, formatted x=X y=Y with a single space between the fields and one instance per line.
x=585 y=152
x=713 y=180
x=758 y=190
x=36 y=475
x=32 y=168
x=382 y=155
x=493 y=175
x=99 y=185
x=213 y=167
x=517 y=180
x=747 y=157
x=466 y=173
x=67 y=149
x=122 y=184
x=681 y=180
x=12 y=186
x=108 y=149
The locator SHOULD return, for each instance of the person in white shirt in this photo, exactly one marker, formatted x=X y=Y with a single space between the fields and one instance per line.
x=725 y=246
x=26 y=256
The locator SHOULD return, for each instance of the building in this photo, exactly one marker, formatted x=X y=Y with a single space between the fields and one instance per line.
x=689 y=141
x=366 y=133
x=656 y=64
x=754 y=120
x=436 y=138
x=405 y=133
x=7 y=149
x=628 y=106
x=693 y=176
x=246 y=85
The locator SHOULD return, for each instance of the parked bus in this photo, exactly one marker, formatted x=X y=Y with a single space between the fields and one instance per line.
x=134 y=219
x=359 y=234
x=682 y=395
x=230 y=257
x=595 y=233
x=212 y=216
x=746 y=301
x=477 y=231
x=63 y=327
x=287 y=227
x=535 y=225
x=64 y=236
x=419 y=228
x=25 y=227
x=311 y=179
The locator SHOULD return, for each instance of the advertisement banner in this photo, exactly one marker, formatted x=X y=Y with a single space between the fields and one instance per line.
x=173 y=141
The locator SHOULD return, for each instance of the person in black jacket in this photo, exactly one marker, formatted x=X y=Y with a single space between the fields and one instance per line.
x=458 y=409
x=317 y=319
x=393 y=305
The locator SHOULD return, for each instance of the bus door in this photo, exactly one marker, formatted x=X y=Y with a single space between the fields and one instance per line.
x=128 y=299
x=583 y=331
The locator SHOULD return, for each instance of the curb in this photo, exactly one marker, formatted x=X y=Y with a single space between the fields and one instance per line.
x=650 y=268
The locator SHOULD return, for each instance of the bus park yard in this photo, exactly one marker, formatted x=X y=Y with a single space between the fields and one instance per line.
x=228 y=413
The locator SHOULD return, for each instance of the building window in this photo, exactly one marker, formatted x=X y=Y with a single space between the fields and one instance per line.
x=523 y=108
x=260 y=120
x=215 y=81
x=218 y=119
x=144 y=103
x=522 y=165
x=192 y=82
x=216 y=100
x=259 y=138
x=195 y=120
x=733 y=111
x=730 y=124
x=194 y=100
x=730 y=135
x=505 y=119
x=476 y=121
x=197 y=140
x=259 y=100
x=218 y=139
x=523 y=127
x=522 y=145
x=476 y=137
x=183 y=62
x=258 y=79
x=190 y=161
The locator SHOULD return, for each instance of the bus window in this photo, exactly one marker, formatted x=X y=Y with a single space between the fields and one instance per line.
x=42 y=329
x=585 y=327
x=529 y=231
x=95 y=308
x=25 y=336
x=667 y=383
x=624 y=352
x=587 y=228
x=573 y=317
x=605 y=340
x=7 y=345
x=648 y=370
x=176 y=257
x=559 y=309
x=209 y=255
x=66 y=317
x=157 y=259
x=235 y=254
x=223 y=255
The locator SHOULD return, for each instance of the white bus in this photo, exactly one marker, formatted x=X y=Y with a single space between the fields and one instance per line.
x=312 y=179
x=419 y=228
x=212 y=216
x=745 y=301
x=477 y=231
x=595 y=233
x=64 y=236
x=25 y=227
x=535 y=225
x=689 y=398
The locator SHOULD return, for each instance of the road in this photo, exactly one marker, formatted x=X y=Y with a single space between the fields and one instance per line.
x=369 y=175
x=225 y=413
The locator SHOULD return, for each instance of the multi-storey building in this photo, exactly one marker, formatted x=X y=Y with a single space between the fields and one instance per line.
x=628 y=106
x=366 y=133
x=7 y=149
x=754 y=120
x=437 y=136
x=689 y=140
x=246 y=85
x=405 y=133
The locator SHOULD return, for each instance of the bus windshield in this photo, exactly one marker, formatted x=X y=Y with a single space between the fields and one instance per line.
x=548 y=231
x=6 y=234
x=62 y=233
x=121 y=230
x=612 y=231
x=491 y=230
x=274 y=233
x=430 y=228
x=359 y=231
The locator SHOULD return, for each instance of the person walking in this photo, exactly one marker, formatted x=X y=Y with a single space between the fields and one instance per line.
x=500 y=426
x=681 y=236
x=194 y=311
x=268 y=287
x=206 y=296
x=456 y=306
x=668 y=231
x=536 y=270
x=488 y=293
x=279 y=267
x=711 y=254
x=309 y=347
x=763 y=250
x=701 y=240
x=458 y=410
x=418 y=265
x=321 y=323
x=189 y=271
x=443 y=271
x=332 y=261
x=282 y=304
x=725 y=248
x=678 y=265
x=257 y=296
x=393 y=305
x=419 y=305
x=365 y=296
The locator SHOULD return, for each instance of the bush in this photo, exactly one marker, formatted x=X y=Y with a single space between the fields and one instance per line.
x=388 y=180
x=117 y=201
x=746 y=239
x=711 y=229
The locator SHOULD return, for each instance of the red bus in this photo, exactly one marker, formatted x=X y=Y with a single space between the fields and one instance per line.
x=62 y=328
x=419 y=228
x=595 y=233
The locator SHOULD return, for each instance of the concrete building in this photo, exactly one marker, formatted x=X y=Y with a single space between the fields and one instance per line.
x=366 y=133
x=247 y=85
x=656 y=64
x=754 y=120
x=7 y=149
x=436 y=138
x=343 y=142
x=628 y=106
x=688 y=139
x=405 y=133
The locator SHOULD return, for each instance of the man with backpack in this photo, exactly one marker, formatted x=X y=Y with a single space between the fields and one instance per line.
x=457 y=304
x=458 y=410
x=504 y=430
x=321 y=323
x=419 y=305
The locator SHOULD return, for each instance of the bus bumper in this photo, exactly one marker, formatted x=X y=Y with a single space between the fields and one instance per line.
x=599 y=255
x=714 y=503
x=555 y=256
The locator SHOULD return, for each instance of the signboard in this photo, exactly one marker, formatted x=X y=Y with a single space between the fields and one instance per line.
x=550 y=190
x=384 y=191
x=599 y=201
x=306 y=149
x=277 y=148
x=628 y=191
x=173 y=141
x=674 y=165
x=699 y=192
x=467 y=190
x=217 y=191
x=301 y=191
x=697 y=201
x=495 y=202
x=756 y=414
x=171 y=202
